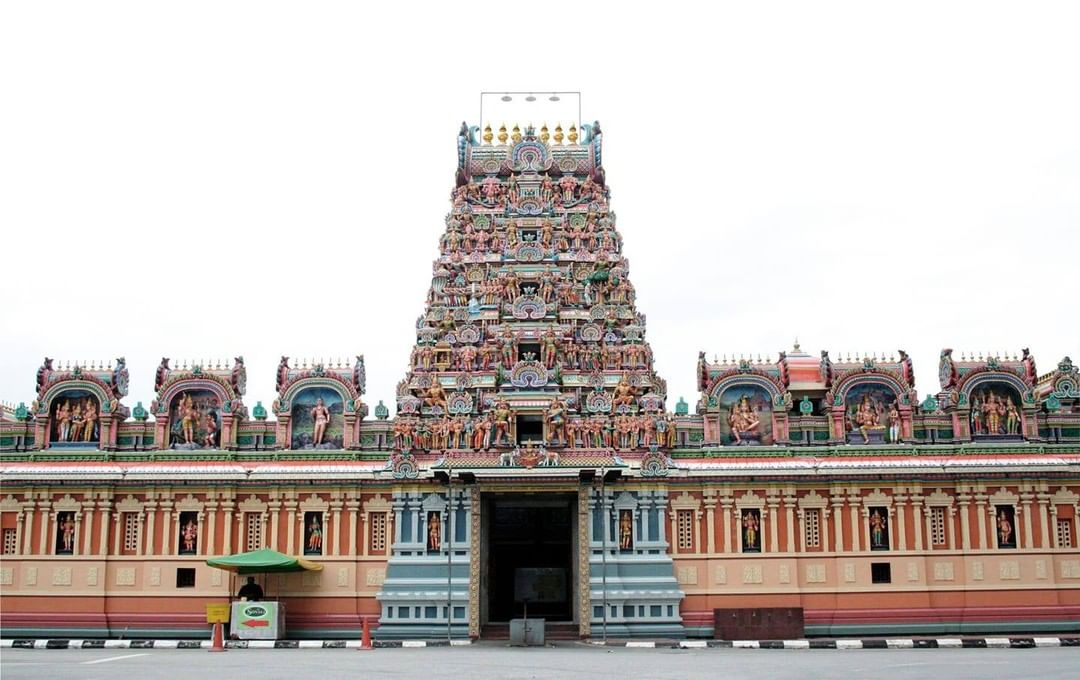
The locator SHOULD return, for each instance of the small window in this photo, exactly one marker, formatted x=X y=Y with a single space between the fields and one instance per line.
x=185 y=577
x=10 y=543
x=937 y=525
x=254 y=531
x=131 y=532
x=813 y=528
x=378 y=532
x=880 y=572
x=1064 y=534
x=685 y=529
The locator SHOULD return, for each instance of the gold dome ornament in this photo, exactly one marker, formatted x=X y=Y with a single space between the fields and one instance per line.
x=502 y=134
x=544 y=136
x=516 y=134
x=487 y=134
x=572 y=136
x=558 y=133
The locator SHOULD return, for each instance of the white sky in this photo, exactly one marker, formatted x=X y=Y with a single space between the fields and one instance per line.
x=207 y=179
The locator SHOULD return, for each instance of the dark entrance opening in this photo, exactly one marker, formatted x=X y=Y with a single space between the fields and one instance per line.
x=529 y=543
x=530 y=429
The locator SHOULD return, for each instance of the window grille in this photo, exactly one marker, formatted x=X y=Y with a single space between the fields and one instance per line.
x=1064 y=534
x=685 y=529
x=937 y=525
x=378 y=532
x=813 y=528
x=131 y=531
x=254 y=531
x=9 y=542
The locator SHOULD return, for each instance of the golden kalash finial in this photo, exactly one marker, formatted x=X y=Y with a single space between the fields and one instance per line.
x=558 y=133
x=487 y=134
x=516 y=134
x=572 y=136
x=502 y=134
x=544 y=136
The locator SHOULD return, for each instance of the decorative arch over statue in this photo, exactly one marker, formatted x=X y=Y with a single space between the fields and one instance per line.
x=200 y=407
x=746 y=407
x=997 y=405
x=991 y=398
x=871 y=406
x=79 y=406
x=319 y=406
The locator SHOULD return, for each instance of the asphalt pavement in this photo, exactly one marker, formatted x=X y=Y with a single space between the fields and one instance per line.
x=488 y=661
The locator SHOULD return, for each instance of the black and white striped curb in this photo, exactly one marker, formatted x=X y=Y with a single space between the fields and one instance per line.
x=872 y=643
x=843 y=643
x=229 y=644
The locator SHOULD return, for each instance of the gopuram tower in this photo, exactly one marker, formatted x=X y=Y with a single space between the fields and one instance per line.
x=531 y=362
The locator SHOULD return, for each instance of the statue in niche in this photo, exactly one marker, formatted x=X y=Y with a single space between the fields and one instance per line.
x=65 y=528
x=1012 y=418
x=75 y=432
x=743 y=419
x=188 y=413
x=190 y=536
x=315 y=535
x=626 y=530
x=434 y=531
x=436 y=395
x=879 y=537
x=1005 y=532
x=624 y=392
x=210 y=439
x=751 y=530
x=320 y=415
x=894 y=424
x=867 y=417
x=63 y=421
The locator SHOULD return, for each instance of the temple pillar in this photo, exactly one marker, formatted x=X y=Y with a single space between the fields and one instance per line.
x=710 y=520
x=900 y=521
x=963 y=499
x=917 y=518
x=352 y=505
x=1026 y=498
x=290 y=523
x=88 y=528
x=981 y=513
x=854 y=503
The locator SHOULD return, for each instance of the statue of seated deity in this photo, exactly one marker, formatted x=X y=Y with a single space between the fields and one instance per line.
x=624 y=393
x=435 y=395
x=744 y=421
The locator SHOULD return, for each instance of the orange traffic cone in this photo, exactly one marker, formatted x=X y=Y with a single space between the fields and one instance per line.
x=365 y=638
x=218 y=645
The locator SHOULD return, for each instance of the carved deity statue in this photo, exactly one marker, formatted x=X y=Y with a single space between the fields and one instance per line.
x=743 y=419
x=502 y=415
x=435 y=395
x=320 y=415
x=624 y=392
x=556 y=419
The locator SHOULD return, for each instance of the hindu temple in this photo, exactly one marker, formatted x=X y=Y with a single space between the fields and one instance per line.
x=535 y=464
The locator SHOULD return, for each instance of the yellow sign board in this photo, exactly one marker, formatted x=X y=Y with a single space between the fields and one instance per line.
x=217 y=613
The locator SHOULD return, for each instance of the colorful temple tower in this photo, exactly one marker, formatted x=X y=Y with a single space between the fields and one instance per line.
x=532 y=465
x=531 y=354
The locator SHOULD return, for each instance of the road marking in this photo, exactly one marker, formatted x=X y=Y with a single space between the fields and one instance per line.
x=114 y=658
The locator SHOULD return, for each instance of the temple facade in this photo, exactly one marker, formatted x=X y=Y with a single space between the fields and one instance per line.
x=535 y=466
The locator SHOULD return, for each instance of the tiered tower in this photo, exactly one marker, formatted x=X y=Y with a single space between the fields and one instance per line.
x=531 y=353
x=530 y=348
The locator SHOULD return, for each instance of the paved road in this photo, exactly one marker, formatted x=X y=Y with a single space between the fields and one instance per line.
x=572 y=661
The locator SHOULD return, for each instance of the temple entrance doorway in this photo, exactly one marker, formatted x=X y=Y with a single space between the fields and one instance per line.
x=528 y=544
